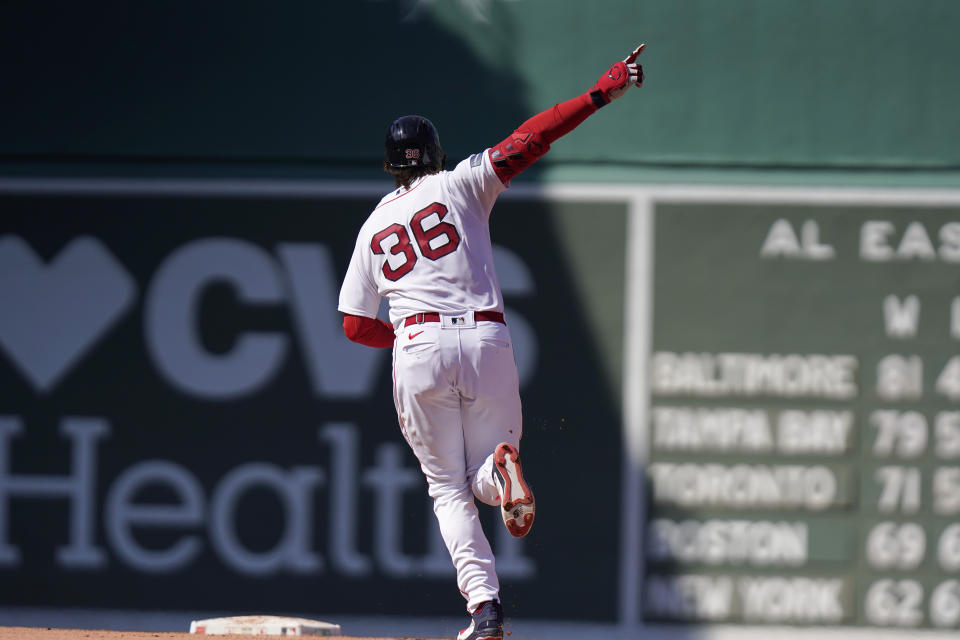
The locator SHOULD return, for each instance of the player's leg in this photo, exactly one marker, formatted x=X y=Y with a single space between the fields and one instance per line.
x=492 y=425
x=491 y=410
x=429 y=410
x=469 y=548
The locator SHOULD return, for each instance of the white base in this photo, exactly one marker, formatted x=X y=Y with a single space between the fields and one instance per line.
x=264 y=626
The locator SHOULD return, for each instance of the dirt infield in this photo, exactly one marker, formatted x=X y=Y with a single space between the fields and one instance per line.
x=43 y=633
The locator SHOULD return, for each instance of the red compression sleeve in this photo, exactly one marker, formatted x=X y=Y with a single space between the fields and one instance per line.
x=561 y=119
x=372 y=332
x=532 y=139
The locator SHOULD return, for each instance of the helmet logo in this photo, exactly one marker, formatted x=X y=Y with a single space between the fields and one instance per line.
x=413 y=154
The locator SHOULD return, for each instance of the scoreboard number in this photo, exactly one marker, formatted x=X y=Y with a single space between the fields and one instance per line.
x=894 y=603
x=896 y=546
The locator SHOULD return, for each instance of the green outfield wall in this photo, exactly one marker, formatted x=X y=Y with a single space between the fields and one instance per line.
x=866 y=87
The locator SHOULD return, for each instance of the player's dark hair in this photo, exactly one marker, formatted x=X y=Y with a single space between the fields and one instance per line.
x=406 y=176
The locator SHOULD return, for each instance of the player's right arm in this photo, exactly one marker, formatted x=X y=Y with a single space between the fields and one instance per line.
x=360 y=300
x=533 y=138
x=372 y=332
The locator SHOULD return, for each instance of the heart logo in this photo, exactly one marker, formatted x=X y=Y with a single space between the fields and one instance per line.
x=52 y=314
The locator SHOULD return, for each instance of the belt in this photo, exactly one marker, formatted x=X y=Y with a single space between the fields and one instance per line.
x=479 y=316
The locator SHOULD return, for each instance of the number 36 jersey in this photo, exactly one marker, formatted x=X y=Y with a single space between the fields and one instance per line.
x=427 y=248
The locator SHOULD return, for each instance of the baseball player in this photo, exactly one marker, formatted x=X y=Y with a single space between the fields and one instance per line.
x=426 y=248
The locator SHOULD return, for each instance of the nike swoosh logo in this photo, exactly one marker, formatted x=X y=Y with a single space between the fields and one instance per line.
x=414 y=335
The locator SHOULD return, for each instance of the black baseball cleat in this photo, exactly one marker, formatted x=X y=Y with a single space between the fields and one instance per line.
x=487 y=623
x=516 y=500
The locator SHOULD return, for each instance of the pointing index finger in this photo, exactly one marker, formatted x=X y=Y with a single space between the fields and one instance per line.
x=636 y=52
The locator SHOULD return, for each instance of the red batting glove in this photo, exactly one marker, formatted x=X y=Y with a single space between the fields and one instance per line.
x=620 y=77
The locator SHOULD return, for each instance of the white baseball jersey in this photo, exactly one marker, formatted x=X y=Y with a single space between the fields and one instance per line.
x=428 y=248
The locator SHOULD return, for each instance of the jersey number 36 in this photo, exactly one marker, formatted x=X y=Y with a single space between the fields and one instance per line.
x=427 y=239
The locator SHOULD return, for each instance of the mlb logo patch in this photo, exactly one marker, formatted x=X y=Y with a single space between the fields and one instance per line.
x=413 y=154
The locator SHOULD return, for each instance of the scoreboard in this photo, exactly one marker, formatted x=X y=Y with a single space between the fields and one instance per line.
x=802 y=431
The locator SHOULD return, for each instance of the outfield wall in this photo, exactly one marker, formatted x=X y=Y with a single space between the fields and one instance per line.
x=182 y=408
x=184 y=415
x=857 y=86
